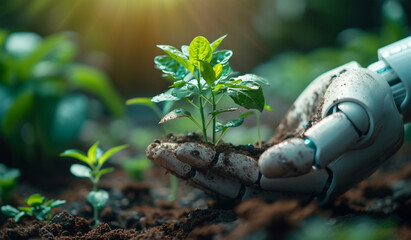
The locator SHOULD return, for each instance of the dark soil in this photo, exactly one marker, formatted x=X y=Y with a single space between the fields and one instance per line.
x=140 y=210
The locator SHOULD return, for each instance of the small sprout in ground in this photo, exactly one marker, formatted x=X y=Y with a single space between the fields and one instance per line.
x=8 y=180
x=39 y=207
x=136 y=168
x=201 y=75
x=95 y=159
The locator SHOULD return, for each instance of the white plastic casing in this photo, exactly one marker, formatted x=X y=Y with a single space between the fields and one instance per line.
x=398 y=56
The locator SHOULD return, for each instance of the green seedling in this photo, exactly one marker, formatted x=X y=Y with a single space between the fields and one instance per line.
x=38 y=207
x=201 y=75
x=95 y=160
x=148 y=103
x=8 y=180
x=136 y=168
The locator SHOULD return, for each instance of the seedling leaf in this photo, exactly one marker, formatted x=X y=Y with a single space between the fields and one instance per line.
x=252 y=78
x=219 y=111
x=200 y=50
x=207 y=72
x=218 y=69
x=268 y=108
x=165 y=96
x=103 y=171
x=110 y=153
x=177 y=55
x=77 y=155
x=91 y=154
x=79 y=170
x=170 y=66
x=176 y=113
x=230 y=124
x=35 y=200
x=57 y=203
x=221 y=57
x=98 y=199
x=20 y=215
x=246 y=114
x=250 y=98
x=140 y=101
x=9 y=211
x=217 y=42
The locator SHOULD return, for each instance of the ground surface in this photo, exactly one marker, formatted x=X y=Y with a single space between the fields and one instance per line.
x=141 y=211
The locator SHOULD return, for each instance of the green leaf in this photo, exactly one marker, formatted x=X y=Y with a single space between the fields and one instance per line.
x=21 y=44
x=185 y=50
x=136 y=168
x=57 y=203
x=63 y=118
x=79 y=170
x=103 y=171
x=170 y=66
x=250 y=98
x=252 y=78
x=217 y=42
x=268 y=108
x=230 y=124
x=178 y=56
x=26 y=209
x=176 y=113
x=77 y=155
x=40 y=53
x=200 y=50
x=140 y=101
x=35 y=200
x=221 y=57
x=20 y=215
x=91 y=154
x=165 y=96
x=9 y=211
x=207 y=72
x=98 y=199
x=21 y=107
x=110 y=153
x=218 y=69
x=246 y=114
x=219 y=111
x=96 y=83
x=43 y=214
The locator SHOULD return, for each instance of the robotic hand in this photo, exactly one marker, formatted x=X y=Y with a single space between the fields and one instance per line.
x=345 y=124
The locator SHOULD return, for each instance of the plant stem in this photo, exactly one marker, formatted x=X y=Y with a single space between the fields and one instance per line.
x=95 y=215
x=258 y=127
x=214 y=119
x=200 y=89
x=174 y=188
x=203 y=121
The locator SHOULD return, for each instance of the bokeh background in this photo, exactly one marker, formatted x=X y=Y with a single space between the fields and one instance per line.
x=289 y=42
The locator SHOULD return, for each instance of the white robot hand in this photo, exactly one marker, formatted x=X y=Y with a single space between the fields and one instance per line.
x=344 y=125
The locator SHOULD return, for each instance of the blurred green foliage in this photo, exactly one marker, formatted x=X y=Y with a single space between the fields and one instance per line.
x=359 y=229
x=291 y=71
x=8 y=180
x=136 y=168
x=44 y=94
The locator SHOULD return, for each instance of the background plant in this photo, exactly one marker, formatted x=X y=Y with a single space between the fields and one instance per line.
x=95 y=160
x=143 y=161
x=43 y=101
x=39 y=207
x=8 y=180
x=201 y=75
